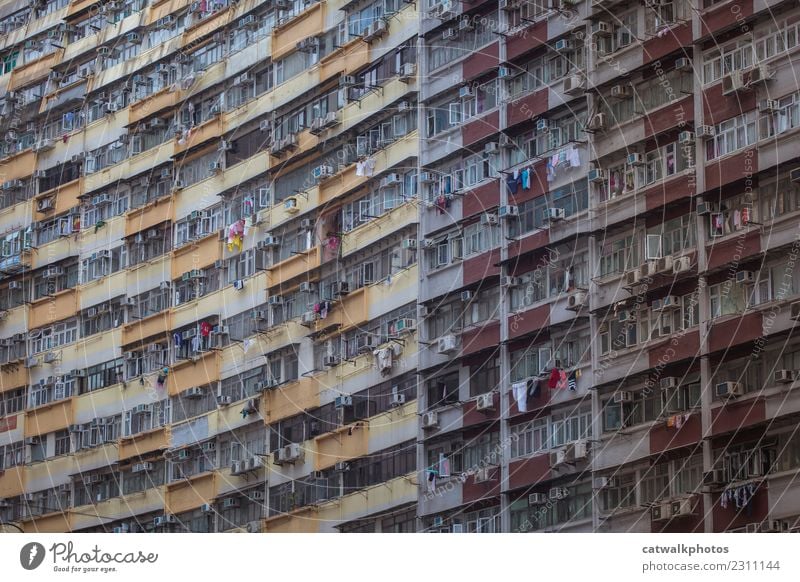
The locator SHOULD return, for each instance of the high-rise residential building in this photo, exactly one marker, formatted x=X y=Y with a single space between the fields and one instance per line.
x=208 y=297
x=385 y=266
x=608 y=266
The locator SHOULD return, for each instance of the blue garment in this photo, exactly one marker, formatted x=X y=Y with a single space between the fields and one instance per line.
x=525 y=178
x=512 y=184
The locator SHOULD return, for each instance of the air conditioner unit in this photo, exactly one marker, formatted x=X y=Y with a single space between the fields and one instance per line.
x=405 y=324
x=623 y=396
x=323 y=171
x=597 y=122
x=508 y=211
x=760 y=73
x=290 y=205
x=485 y=402
x=732 y=82
x=430 y=420
x=224 y=400
x=621 y=91
x=745 y=276
x=52 y=272
x=714 y=477
x=330 y=361
x=705 y=131
x=683 y=64
x=508 y=281
x=537 y=498
x=596 y=175
x=601 y=28
x=275 y=300
x=340 y=288
x=542 y=124
x=558 y=457
x=555 y=214
x=661 y=511
x=632 y=277
x=291 y=453
x=768 y=105
x=729 y=390
x=343 y=401
x=558 y=493
x=635 y=159
x=577 y=300
x=681 y=265
x=580 y=450
x=668 y=383
x=209 y=447
x=194 y=393
x=668 y=303
x=398 y=399
x=45 y=204
x=446 y=344
x=573 y=84
x=683 y=507
x=142 y=467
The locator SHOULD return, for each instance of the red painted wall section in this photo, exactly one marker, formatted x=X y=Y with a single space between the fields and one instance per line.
x=472 y=491
x=674 y=115
x=484 y=265
x=734 y=416
x=530 y=321
x=481 y=128
x=480 y=338
x=669 y=191
x=529 y=472
x=663 y=438
x=732 y=332
x=526 y=40
x=731 y=169
x=732 y=518
x=528 y=244
x=473 y=417
x=677 y=37
x=527 y=108
x=718 y=107
x=735 y=249
x=691 y=523
x=481 y=62
x=675 y=349
x=723 y=17
x=481 y=199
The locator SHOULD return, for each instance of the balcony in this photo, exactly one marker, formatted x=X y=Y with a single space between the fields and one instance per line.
x=161 y=8
x=166 y=98
x=302 y=520
x=196 y=255
x=149 y=327
x=210 y=129
x=374 y=230
x=78 y=5
x=56 y=522
x=292 y=398
x=33 y=71
x=295 y=266
x=12 y=482
x=310 y=22
x=189 y=373
x=147 y=442
x=343 y=444
x=348 y=312
x=48 y=418
x=62 y=96
x=66 y=197
x=194 y=33
x=190 y=493
x=19 y=165
x=48 y=310
x=122 y=507
x=13 y=378
x=347 y=180
x=161 y=210
x=348 y=58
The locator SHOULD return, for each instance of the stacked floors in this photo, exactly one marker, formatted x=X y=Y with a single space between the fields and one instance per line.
x=208 y=298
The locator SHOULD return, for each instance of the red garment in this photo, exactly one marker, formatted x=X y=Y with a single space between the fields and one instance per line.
x=205 y=329
x=554 y=377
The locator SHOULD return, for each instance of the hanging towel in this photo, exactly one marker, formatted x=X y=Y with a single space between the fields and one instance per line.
x=383 y=359
x=520 y=392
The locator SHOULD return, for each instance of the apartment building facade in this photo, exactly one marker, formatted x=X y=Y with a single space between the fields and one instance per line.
x=377 y=266
x=607 y=262
x=208 y=302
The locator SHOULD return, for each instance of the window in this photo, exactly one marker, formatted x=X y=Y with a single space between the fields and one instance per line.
x=485 y=377
x=727 y=298
x=63 y=442
x=734 y=56
x=529 y=438
x=618 y=256
x=732 y=135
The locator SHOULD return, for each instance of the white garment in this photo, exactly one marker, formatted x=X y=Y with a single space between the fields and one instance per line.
x=249 y=343
x=369 y=167
x=383 y=359
x=574 y=157
x=520 y=392
x=359 y=168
